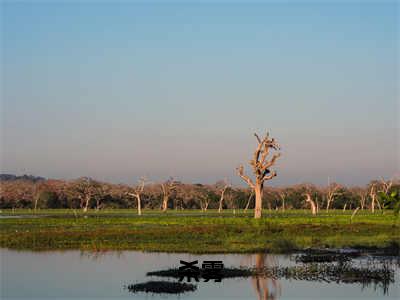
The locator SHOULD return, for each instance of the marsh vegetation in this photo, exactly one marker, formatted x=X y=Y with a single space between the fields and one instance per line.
x=195 y=231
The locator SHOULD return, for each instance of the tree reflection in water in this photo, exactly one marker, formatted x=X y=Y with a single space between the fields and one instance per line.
x=266 y=288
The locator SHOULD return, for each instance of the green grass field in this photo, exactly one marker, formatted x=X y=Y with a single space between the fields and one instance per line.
x=195 y=231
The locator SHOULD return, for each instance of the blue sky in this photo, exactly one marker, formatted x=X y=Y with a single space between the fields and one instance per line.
x=116 y=91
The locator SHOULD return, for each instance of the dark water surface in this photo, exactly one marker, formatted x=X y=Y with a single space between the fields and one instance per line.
x=78 y=275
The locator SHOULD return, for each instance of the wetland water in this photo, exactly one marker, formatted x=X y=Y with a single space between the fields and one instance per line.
x=86 y=275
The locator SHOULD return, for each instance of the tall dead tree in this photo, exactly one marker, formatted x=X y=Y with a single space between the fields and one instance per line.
x=331 y=192
x=261 y=169
x=222 y=189
x=37 y=196
x=167 y=188
x=137 y=192
x=362 y=194
x=384 y=187
x=282 y=195
x=313 y=206
x=372 y=194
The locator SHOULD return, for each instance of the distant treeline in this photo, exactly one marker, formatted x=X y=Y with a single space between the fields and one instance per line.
x=6 y=177
x=85 y=193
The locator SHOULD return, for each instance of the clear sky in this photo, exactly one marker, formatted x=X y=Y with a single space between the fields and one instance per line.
x=116 y=91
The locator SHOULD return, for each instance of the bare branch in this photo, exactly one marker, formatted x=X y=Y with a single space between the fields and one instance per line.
x=386 y=185
x=271 y=162
x=272 y=175
x=133 y=195
x=240 y=172
x=257 y=137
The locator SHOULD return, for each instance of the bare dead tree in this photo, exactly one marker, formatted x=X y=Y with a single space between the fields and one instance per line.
x=167 y=188
x=386 y=185
x=137 y=192
x=203 y=197
x=372 y=194
x=36 y=197
x=282 y=195
x=261 y=169
x=222 y=191
x=312 y=204
x=375 y=188
x=331 y=192
x=362 y=193
x=204 y=202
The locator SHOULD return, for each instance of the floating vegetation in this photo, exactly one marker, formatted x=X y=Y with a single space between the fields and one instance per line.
x=322 y=258
x=384 y=254
x=343 y=272
x=224 y=273
x=340 y=266
x=339 y=273
x=349 y=252
x=161 y=287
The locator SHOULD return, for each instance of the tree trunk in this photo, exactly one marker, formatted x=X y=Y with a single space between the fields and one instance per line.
x=265 y=288
x=165 y=203
x=379 y=204
x=36 y=201
x=220 y=203
x=258 y=191
x=98 y=205
x=353 y=214
x=373 y=204
x=327 y=205
x=139 y=206
x=247 y=206
x=221 y=200
x=85 y=209
x=312 y=203
x=344 y=207
x=248 y=203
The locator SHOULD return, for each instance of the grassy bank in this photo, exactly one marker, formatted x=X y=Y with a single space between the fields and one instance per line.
x=194 y=231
